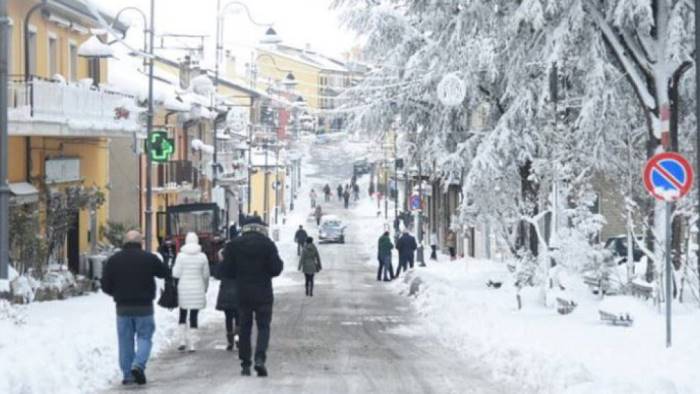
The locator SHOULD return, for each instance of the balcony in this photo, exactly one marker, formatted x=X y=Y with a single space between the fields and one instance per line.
x=175 y=176
x=47 y=108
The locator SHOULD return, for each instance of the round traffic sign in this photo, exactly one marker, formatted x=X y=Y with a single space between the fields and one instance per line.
x=668 y=176
x=451 y=90
x=415 y=202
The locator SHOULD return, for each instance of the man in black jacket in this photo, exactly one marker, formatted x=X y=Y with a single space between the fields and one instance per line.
x=407 y=246
x=300 y=238
x=128 y=276
x=252 y=259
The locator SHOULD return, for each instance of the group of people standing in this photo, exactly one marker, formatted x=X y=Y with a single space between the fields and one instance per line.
x=248 y=263
x=406 y=246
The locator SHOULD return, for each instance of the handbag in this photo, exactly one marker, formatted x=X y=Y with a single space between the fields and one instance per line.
x=168 y=295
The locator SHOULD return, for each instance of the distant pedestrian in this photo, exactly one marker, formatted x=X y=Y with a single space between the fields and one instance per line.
x=300 y=238
x=318 y=214
x=253 y=260
x=312 y=198
x=406 y=246
x=356 y=191
x=433 y=245
x=340 y=192
x=327 y=193
x=346 y=198
x=128 y=277
x=451 y=243
x=227 y=302
x=384 y=248
x=192 y=271
x=310 y=265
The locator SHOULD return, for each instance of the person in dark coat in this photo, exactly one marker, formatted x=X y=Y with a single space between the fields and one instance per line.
x=340 y=192
x=310 y=265
x=346 y=198
x=384 y=248
x=300 y=238
x=253 y=260
x=406 y=246
x=129 y=277
x=327 y=192
x=227 y=302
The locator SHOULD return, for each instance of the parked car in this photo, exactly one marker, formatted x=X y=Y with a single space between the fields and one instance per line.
x=332 y=229
x=360 y=167
x=617 y=245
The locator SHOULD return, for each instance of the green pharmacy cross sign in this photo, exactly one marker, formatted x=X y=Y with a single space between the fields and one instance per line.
x=160 y=147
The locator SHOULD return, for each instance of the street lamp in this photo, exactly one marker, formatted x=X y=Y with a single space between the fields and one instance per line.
x=271 y=37
x=93 y=48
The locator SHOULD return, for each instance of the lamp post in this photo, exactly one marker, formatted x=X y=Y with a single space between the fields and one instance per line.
x=4 y=161
x=270 y=37
x=149 y=31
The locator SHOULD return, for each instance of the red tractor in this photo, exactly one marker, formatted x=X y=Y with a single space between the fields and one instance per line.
x=202 y=219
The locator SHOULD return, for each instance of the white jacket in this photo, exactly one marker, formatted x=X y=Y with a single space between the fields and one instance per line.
x=192 y=270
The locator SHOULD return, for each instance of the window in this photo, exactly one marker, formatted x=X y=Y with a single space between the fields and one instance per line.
x=73 y=62
x=31 y=50
x=53 y=56
x=94 y=71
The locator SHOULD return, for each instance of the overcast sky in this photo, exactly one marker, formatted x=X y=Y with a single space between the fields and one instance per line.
x=297 y=21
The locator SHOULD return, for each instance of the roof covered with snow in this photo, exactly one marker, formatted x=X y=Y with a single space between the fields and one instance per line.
x=306 y=56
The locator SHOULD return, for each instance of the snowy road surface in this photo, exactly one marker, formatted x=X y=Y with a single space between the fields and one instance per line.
x=353 y=336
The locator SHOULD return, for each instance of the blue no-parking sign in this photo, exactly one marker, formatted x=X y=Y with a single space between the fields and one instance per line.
x=668 y=176
x=415 y=202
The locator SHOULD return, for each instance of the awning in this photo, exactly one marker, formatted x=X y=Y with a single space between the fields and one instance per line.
x=23 y=193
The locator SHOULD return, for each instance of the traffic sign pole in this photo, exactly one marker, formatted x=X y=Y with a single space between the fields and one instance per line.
x=669 y=274
x=668 y=177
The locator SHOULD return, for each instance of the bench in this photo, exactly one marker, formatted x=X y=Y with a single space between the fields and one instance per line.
x=596 y=283
x=616 y=319
x=641 y=289
x=564 y=307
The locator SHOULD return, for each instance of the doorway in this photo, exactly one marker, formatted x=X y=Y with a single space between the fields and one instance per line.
x=73 y=245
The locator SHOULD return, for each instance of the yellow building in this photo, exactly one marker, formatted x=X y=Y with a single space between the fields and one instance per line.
x=320 y=79
x=60 y=120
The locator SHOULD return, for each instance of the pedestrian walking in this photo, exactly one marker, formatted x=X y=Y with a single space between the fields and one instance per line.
x=253 y=260
x=227 y=302
x=192 y=271
x=384 y=248
x=300 y=238
x=128 y=277
x=327 y=193
x=340 y=192
x=346 y=198
x=312 y=198
x=433 y=245
x=318 y=214
x=310 y=265
x=451 y=243
x=406 y=246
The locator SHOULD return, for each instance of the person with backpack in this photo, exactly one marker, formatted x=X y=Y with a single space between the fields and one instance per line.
x=310 y=265
x=192 y=271
x=406 y=246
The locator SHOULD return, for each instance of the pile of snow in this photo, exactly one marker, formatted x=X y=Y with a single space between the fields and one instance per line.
x=544 y=352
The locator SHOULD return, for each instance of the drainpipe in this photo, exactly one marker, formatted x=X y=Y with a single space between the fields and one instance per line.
x=27 y=80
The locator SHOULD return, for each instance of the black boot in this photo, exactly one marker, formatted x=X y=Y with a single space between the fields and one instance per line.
x=245 y=371
x=139 y=375
x=229 y=341
x=261 y=370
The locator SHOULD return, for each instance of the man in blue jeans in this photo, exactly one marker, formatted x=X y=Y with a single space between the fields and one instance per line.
x=129 y=277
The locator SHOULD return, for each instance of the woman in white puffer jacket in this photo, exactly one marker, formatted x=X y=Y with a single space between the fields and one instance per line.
x=192 y=271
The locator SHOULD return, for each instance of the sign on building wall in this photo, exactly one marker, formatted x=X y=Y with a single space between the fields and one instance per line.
x=238 y=118
x=62 y=170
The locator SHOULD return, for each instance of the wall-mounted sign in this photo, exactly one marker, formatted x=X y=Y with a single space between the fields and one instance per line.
x=238 y=118
x=62 y=170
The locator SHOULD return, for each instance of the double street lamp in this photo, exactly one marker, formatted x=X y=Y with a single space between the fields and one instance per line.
x=93 y=48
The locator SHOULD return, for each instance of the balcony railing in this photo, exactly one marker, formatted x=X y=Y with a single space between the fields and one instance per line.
x=177 y=174
x=73 y=106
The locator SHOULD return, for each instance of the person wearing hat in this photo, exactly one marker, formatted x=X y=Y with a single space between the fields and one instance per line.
x=252 y=260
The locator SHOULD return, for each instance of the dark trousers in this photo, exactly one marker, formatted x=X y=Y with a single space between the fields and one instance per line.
x=231 y=319
x=453 y=252
x=433 y=253
x=347 y=202
x=386 y=267
x=263 y=317
x=193 y=317
x=404 y=262
x=300 y=246
x=309 y=284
